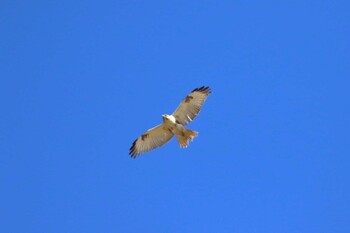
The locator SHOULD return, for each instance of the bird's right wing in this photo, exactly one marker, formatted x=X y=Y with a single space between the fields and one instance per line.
x=150 y=140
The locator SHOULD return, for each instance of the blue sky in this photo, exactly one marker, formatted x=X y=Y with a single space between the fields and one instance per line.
x=80 y=80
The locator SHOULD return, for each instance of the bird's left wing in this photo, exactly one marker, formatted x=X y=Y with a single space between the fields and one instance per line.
x=191 y=105
x=150 y=140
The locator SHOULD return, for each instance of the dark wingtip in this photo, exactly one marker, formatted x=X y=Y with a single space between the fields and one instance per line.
x=132 y=151
x=203 y=89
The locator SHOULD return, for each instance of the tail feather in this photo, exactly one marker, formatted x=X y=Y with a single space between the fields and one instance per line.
x=183 y=139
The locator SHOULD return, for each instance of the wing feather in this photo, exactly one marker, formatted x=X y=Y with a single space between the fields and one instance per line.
x=191 y=105
x=150 y=140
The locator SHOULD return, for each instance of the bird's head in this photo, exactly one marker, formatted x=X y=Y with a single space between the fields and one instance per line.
x=167 y=117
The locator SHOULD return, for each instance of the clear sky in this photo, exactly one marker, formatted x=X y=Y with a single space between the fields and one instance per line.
x=81 y=80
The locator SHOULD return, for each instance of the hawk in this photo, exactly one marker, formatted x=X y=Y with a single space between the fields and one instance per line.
x=173 y=124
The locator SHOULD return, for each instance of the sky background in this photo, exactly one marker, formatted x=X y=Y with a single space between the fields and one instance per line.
x=81 y=80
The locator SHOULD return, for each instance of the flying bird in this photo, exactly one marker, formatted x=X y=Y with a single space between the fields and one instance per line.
x=173 y=124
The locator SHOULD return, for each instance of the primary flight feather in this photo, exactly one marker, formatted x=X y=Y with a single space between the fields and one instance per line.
x=173 y=124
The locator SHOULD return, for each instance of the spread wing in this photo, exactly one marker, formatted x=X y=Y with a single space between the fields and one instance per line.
x=191 y=105
x=150 y=140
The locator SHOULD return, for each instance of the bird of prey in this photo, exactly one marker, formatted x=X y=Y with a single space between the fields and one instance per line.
x=173 y=124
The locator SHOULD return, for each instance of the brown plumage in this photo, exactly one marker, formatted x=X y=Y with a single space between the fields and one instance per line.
x=173 y=124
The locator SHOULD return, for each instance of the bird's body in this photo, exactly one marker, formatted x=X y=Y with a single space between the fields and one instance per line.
x=173 y=124
x=183 y=135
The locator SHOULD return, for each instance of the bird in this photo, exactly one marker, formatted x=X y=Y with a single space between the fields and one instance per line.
x=173 y=124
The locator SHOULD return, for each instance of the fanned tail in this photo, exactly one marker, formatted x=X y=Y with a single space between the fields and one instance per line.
x=189 y=135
